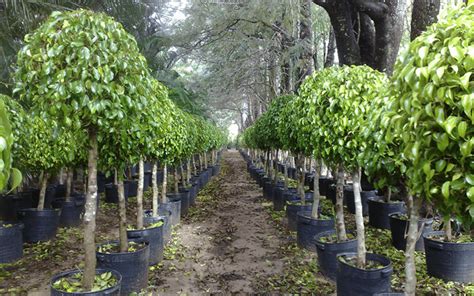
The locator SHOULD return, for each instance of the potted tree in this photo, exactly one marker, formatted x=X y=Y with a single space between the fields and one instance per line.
x=101 y=80
x=11 y=246
x=44 y=148
x=287 y=123
x=431 y=116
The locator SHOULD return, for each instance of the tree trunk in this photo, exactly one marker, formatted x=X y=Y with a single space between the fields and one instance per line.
x=200 y=163
x=425 y=13
x=188 y=171
x=275 y=161
x=361 y=251
x=90 y=213
x=183 y=175
x=141 y=174
x=194 y=165
x=448 y=230
x=61 y=176
x=340 y=225
x=285 y=172
x=331 y=50
x=69 y=177
x=205 y=160
x=164 y=198
x=299 y=168
x=175 y=177
x=42 y=195
x=316 y=194
x=412 y=237
x=306 y=39
x=154 y=182
x=122 y=218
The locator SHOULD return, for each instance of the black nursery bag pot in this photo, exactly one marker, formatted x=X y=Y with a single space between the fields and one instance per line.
x=351 y=280
x=399 y=230
x=379 y=211
x=308 y=227
x=112 y=291
x=328 y=251
x=291 y=213
x=154 y=237
x=174 y=206
x=39 y=225
x=447 y=260
x=133 y=266
x=11 y=241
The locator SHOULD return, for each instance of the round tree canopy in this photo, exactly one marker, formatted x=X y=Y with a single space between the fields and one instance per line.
x=431 y=113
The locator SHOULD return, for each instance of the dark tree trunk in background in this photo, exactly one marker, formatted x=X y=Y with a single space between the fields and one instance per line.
x=366 y=31
x=425 y=12
x=306 y=64
x=331 y=50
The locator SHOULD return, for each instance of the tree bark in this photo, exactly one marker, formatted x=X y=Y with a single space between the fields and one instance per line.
x=141 y=178
x=154 y=183
x=361 y=251
x=90 y=214
x=188 y=171
x=205 y=160
x=299 y=168
x=306 y=40
x=175 y=177
x=331 y=50
x=69 y=177
x=164 y=198
x=340 y=225
x=316 y=194
x=425 y=13
x=285 y=172
x=122 y=217
x=42 y=195
x=412 y=237
x=183 y=175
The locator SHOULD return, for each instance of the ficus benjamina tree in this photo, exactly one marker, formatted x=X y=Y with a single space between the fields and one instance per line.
x=287 y=126
x=8 y=174
x=431 y=116
x=86 y=72
x=338 y=101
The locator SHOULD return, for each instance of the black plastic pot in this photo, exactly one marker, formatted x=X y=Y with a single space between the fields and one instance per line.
x=70 y=212
x=278 y=199
x=324 y=183
x=327 y=253
x=291 y=214
x=216 y=169
x=379 y=211
x=449 y=261
x=291 y=173
x=267 y=190
x=164 y=215
x=101 y=182
x=331 y=192
x=147 y=181
x=8 y=207
x=132 y=188
x=193 y=191
x=174 y=206
x=355 y=281
x=111 y=192
x=364 y=197
x=26 y=200
x=49 y=197
x=308 y=227
x=133 y=266
x=60 y=191
x=185 y=200
x=11 y=241
x=154 y=237
x=39 y=225
x=399 y=229
x=112 y=291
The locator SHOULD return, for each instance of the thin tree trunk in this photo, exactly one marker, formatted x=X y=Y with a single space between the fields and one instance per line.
x=61 y=176
x=154 y=183
x=448 y=231
x=175 y=177
x=90 y=214
x=361 y=251
x=340 y=225
x=205 y=160
x=164 y=198
x=194 y=165
x=42 y=195
x=412 y=237
x=275 y=161
x=188 y=171
x=122 y=218
x=316 y=194
x=183 y=176
x=141 y=178
x=299 y=168
x=69 y=176
x=331 y=50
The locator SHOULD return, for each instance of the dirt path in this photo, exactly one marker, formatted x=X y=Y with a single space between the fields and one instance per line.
x=231 y=246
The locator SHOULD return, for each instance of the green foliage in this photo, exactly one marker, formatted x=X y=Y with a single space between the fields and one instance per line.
x=333 y=109
x=287 y=127
x=431 y=114
x=84 y=70
x=7 y=172
x=73 y=283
